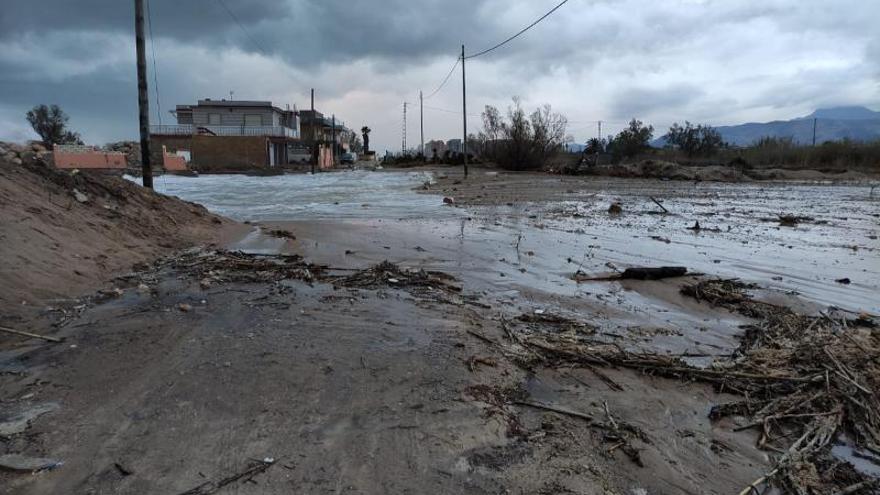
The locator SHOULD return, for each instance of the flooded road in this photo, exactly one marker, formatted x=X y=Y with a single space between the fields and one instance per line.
x=524 y=253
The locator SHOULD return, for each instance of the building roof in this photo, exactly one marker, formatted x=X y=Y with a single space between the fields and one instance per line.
x=223 y=103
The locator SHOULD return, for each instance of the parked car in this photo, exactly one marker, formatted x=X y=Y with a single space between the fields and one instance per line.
x=349 y=158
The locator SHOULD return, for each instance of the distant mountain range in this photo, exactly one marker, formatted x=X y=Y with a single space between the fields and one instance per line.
x=832 y=124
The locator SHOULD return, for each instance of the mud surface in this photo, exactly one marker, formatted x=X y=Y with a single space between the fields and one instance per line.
x=180 y=381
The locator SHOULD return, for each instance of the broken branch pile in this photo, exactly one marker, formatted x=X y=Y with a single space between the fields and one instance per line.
x=805 y=381
x=387 y=274
x=228 y=266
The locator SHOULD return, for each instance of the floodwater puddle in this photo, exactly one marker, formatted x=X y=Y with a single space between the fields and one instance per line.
x=521 y=256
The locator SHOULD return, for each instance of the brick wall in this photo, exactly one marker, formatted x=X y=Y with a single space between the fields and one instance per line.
x=228 y=153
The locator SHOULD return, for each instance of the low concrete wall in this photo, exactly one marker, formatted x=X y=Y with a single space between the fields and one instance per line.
x=70 y=157
x=172 y=145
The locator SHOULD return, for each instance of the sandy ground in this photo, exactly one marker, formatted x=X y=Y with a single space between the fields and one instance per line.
x=56 y=246
x=383 y=390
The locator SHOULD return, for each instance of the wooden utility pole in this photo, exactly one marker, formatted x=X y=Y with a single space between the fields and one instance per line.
x=333 y=144
x=422 y=122
x=814 y=132
x=464 y=146
x=143 y=101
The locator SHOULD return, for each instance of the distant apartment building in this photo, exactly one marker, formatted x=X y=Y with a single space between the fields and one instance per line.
x=454 y=145
x=229 y=135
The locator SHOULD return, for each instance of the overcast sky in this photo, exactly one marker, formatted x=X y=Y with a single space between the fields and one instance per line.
x=719 y=62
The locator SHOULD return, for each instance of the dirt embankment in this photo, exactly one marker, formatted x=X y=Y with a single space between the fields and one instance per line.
x=64 y=234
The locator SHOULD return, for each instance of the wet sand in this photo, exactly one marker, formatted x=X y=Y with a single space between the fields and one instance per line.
x=376 y=391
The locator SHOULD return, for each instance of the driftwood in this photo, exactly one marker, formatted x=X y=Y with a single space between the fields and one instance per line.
x=653 y=273
x=636 y=273
x=208 y=487
x=559 y=410
x=28 y=334
x=659 y=204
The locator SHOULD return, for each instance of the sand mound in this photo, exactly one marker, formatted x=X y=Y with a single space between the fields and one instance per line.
x=65 y=234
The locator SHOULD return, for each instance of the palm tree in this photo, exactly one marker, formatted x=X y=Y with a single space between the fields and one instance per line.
x=366 y=133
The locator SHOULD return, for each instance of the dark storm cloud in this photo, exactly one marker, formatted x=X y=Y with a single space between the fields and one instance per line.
x=708 y=60
x=303 y=32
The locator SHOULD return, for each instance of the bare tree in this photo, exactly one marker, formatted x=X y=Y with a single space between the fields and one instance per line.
x=522 y=142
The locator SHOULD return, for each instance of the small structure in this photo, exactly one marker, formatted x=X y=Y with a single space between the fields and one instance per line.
x=228 y=135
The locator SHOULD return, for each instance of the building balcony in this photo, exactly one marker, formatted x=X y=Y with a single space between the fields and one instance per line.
x=224 y=130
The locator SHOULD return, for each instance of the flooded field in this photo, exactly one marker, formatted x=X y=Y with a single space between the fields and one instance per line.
x=527 y=251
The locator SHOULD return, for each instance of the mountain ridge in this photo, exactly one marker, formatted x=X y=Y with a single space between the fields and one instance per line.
x=832 y=124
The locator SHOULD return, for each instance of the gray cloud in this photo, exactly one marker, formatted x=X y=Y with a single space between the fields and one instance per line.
x=703 y=60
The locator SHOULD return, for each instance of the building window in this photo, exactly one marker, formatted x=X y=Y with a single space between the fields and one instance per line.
x=253 y=120
x=213 y=119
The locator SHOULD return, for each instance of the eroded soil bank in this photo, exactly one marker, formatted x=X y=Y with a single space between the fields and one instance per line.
x=373 y=382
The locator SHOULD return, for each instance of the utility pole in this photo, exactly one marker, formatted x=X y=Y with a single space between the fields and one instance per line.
x=333 y=145
x=464 y=113
x=814 y=131
x=403 y=134
x=422 y=123
x=143 y=102
x=596 y=163
x=314 y=134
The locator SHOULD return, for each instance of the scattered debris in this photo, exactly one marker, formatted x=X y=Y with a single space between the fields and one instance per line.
x=281 y=233
x=123 y=470
x=81 y=197
x=844 y=281
x=29 y=334
x=615 y=208
x=13 y=423
x=653 y=273
x=636 y=273
x=18 y=462
x=659 y=204
x=384 y=274
x=255 y=467
x=804 y=380
x=448 y=200
x=185 y=307
x=793 y=220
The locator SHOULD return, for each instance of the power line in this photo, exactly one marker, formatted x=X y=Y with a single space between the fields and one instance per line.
x=456 y=112
x=155 y=70
x=530 y=26
x=245 y=31
x=445 y=79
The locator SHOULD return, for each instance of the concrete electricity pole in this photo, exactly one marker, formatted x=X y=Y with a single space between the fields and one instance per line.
x=422 y=122
x=333 y=145
x=143 y=101
x=464 y=113
x=403 y=136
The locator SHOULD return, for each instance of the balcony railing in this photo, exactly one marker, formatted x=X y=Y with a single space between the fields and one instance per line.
x=223 y=130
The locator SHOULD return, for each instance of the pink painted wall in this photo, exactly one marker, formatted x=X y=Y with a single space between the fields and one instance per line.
x=88 y=159
x=174 y=163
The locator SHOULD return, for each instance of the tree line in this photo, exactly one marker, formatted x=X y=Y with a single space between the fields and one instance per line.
x=520 y=141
